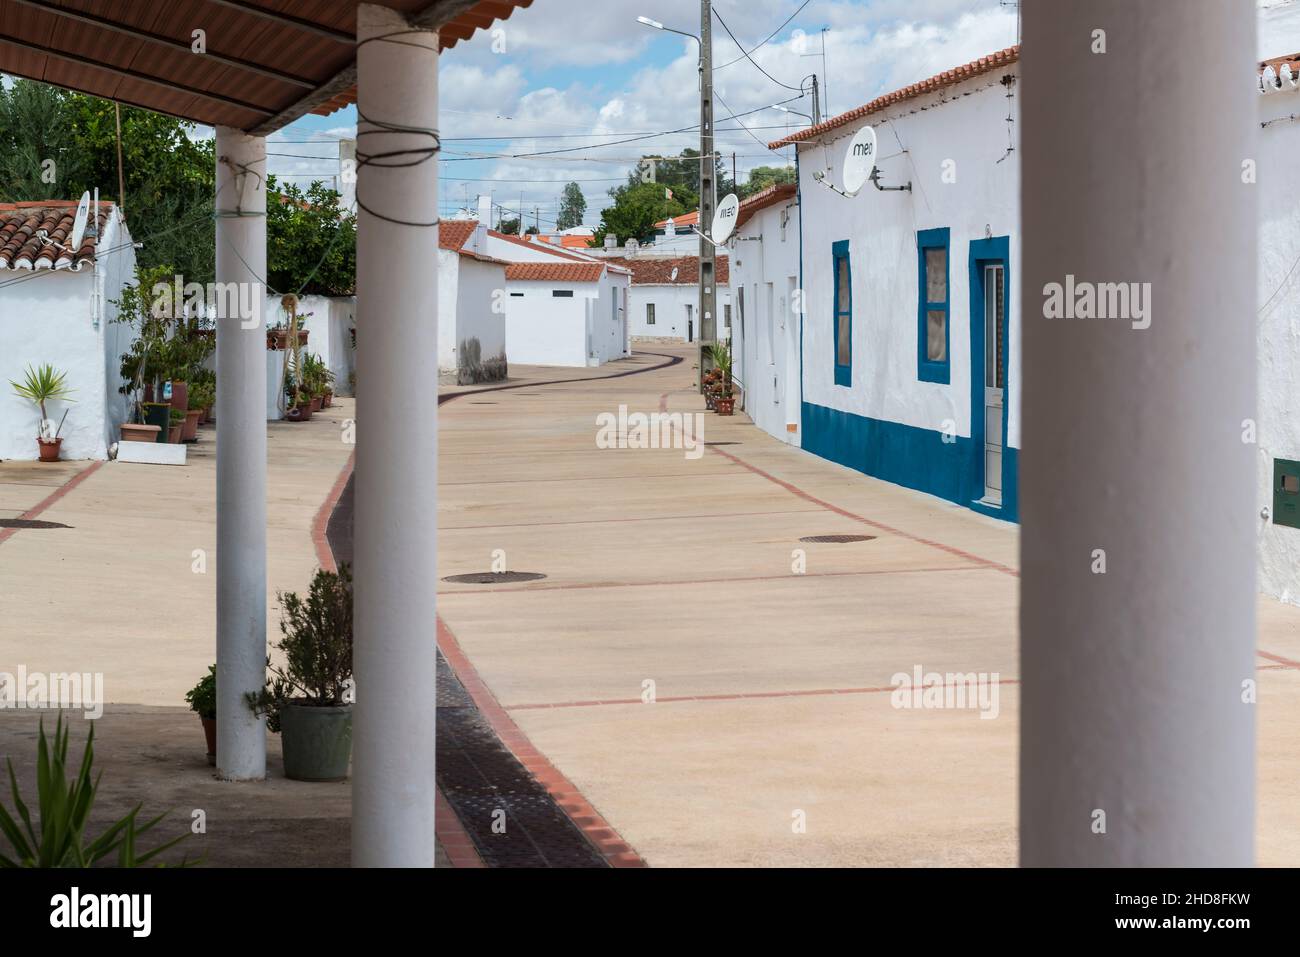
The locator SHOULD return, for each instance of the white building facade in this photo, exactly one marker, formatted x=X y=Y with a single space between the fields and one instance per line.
x=56 y=307
x=471 y=306
x=910 y=333
x=665 y=297
x=764 y=279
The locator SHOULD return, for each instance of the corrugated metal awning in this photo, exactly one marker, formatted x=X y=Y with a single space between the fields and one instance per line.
x=267 y=62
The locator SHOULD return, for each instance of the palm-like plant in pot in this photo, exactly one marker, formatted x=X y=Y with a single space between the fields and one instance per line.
x=720 y=356
x=309 y=698
x=44 y=384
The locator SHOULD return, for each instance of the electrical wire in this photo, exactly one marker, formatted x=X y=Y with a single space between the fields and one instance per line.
x=750 y=58
x=770 y=36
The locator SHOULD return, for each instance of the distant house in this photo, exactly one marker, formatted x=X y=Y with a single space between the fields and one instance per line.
x=471 y=306
x=562 y=307
x=56 y=307
x=765 y=323
x=665 y=297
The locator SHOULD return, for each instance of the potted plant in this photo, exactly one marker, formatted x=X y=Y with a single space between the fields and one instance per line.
x=175 y=425
x=193 y=414
x=720 y=355
x=202 y=699
x=202 y=397
x=41 y=385
x=309 y=699
x=136 y=432
x=158 y=415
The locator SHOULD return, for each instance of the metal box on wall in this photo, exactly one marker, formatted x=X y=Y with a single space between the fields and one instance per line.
x=1286 y=493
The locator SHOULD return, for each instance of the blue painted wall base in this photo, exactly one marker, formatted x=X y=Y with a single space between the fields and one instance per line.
x=914 y=458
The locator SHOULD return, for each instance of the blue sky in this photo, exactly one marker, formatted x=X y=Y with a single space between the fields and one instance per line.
x=565 y=74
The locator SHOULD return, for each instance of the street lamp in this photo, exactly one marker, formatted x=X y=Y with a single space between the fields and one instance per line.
x=778 y=106
x=659 y=26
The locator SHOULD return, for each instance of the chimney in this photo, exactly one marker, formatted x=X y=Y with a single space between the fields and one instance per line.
x=478 y=242
x=611 y=242
x=632 y=246
x=671 y=229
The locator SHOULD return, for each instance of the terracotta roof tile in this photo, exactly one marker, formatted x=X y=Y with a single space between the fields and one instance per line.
x=21 y=248
x=658 y=270
x=555 y=272
x=684 y=221
x=455 y=233
x=773 y=195
x=967 y=71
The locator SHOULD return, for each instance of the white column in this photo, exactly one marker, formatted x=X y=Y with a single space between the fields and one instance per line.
x=396 y=574
x=1132 y=170
x=241 y=451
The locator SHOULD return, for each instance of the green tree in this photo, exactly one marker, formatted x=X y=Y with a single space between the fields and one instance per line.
x=761 y=177
x=637 y=207
x=311 y=244
x=509 y=227
x=573 y=207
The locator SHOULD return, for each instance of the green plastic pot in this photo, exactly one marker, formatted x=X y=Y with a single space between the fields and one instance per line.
x=317 y=742
x=159 y=414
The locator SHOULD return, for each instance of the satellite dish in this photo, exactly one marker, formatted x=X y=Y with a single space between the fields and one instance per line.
x=79 y=224
x=724 y=220
x=860 y=160
x=673 y=277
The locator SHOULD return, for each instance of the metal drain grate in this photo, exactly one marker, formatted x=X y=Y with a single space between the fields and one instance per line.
x=712 y=444
x=837 y=539
x=494 y=578
x=29 y=523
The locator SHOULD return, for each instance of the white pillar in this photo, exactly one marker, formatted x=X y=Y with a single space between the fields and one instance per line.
x=1132 y=170
x=241 y=451
x=396 y=575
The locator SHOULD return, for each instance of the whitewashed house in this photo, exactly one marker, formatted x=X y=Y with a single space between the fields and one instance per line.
x=765 y=314
x=56 y=307
x=562 y=308
x=665 y=296
x=471 y=306
x=910 y=335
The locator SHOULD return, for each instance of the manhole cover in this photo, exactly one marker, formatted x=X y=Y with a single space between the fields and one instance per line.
x=836 y=539
x=494 y=578
x=29 y=523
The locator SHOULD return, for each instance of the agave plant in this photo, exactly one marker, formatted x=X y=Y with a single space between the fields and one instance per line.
x=45 y=384
x=720 y=355
x=58 y=839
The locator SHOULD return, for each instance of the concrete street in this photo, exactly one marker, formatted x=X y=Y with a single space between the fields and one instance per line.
x=771 y=739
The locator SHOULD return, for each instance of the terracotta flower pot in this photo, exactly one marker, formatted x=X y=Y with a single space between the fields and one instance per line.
x=316 y=404
x=298 y=413
x=327 y=400
x=278 y=339
x=49 y=450
x=132 y=432
x=210 y=732
x=174 y=433
x=180 y=395
x=726 y=405
x=190 y=431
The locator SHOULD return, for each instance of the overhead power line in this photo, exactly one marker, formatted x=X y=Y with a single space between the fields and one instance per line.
x=750 y=58
x=771 y=36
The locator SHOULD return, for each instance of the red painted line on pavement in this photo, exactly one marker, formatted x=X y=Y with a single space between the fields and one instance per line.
x=616 y=521
x=43 y=504
x=1284 y=662
x=320 y=525
x=739 y=696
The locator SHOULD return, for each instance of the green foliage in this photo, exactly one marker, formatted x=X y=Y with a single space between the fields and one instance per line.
x=44 y=384
x=573 y=207
x=64 y=806
x=202 y=698
x=169 y=176
x=317 y=648
x=508 y=226
x=311 y=241
x=637 y=208
x=719 y=356
x=202 y=396
x=761 y=177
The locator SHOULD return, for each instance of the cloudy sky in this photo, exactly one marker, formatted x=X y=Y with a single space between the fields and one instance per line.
x=574 y=75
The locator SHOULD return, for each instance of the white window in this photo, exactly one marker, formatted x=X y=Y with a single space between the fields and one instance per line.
x=649 y=313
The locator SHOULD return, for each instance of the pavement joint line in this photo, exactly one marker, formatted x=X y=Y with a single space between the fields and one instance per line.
x=583 y=586
x=648 y=518
x=738 y=696
x=51 y=499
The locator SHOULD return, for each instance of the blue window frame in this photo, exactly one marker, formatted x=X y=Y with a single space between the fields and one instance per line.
x=934 y=296
x=842 y=328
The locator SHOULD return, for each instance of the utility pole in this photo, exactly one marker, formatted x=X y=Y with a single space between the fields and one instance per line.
x=708 y=308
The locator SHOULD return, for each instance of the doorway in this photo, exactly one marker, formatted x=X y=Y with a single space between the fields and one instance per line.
x=989 y=274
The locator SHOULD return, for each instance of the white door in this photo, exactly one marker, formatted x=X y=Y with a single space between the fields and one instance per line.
x=995 y=381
